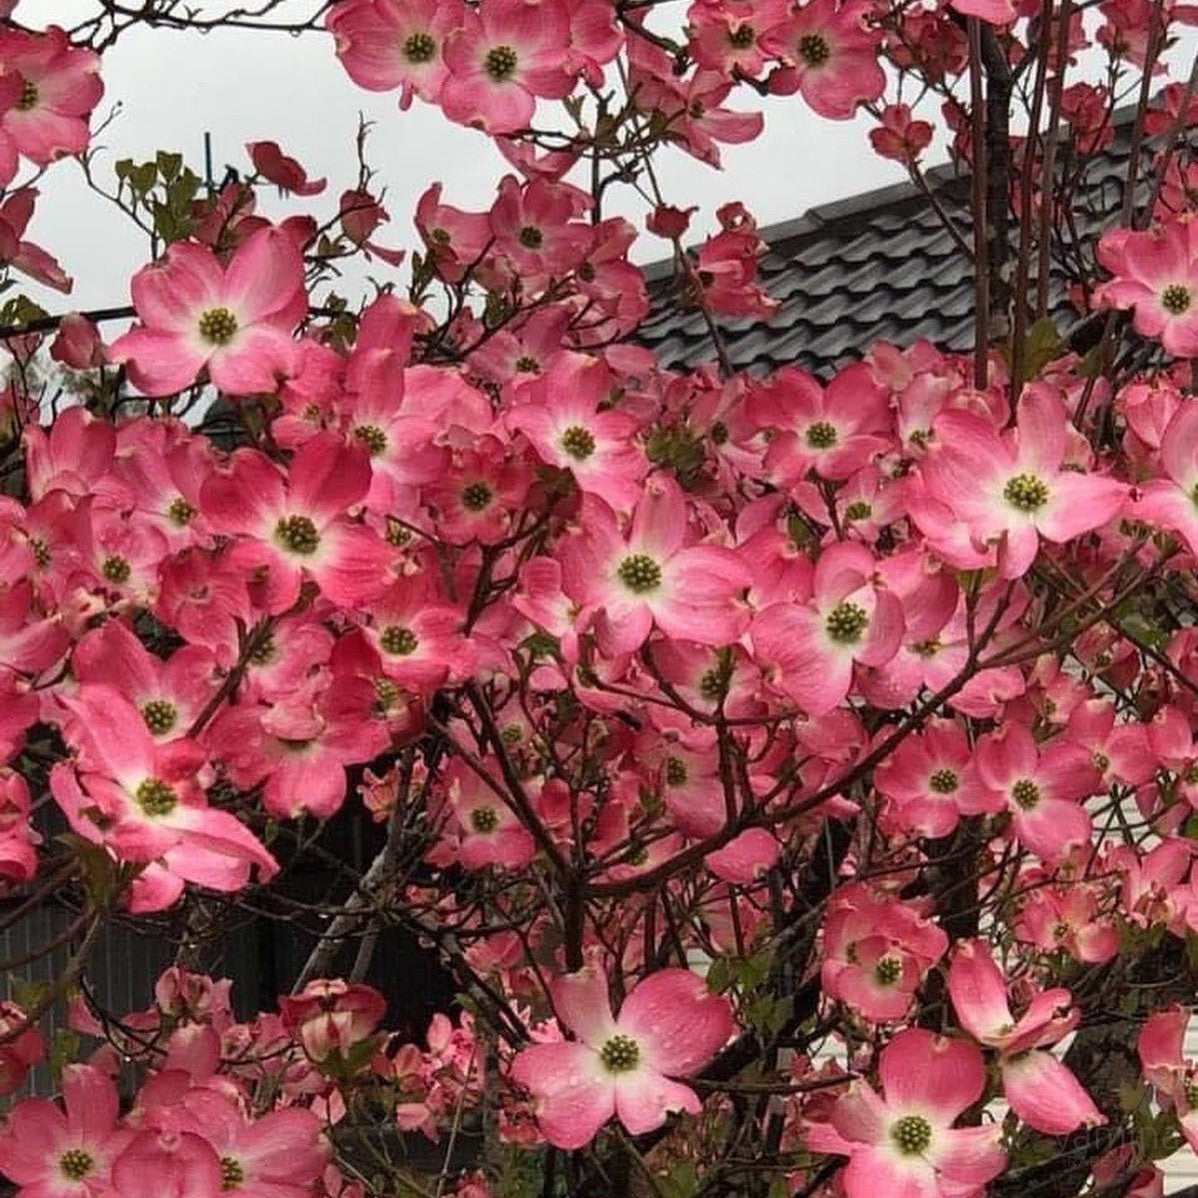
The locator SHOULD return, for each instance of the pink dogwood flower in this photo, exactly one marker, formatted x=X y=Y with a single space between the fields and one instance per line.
x=52 y=88
x=235 y=320
x=877 y=951
x=903 y=1140
x=419 y=640
x=1010 y=489
x=1156 y=274
x=504 y=54
x=142 y=800
x=1042 y=1091
x=1041 y=787
x=50 y=1152
x=301 y=745
x=691 y=107
x=536 y=235
x=930 y=781
x=389 y=44
x=807 y=649
x=650 y=576
x=1172 y=502
x=279 y=1155
x=669 y=1026
x=901 y=137
x=330 y=1016
x=294 y=526
x=831 y=57
x=15 y=214
x=727 y=38
x=281 y=170
x=562 y=417
x=487 y=832
x=168 y=694
x=1160 y=1048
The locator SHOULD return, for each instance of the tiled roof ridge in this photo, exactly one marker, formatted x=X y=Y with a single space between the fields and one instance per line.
x=944 y=176
x=876 y=266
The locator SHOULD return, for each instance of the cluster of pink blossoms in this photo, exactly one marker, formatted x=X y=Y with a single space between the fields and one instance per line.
x=48 y=89
x=488 y=66
x=319 y=597
x=668 y=630
x=194 y=1124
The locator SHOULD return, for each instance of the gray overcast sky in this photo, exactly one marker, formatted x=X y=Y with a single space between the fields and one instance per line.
x=243 y=86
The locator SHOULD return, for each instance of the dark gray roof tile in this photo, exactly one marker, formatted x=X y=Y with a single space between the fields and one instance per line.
x=880 y=266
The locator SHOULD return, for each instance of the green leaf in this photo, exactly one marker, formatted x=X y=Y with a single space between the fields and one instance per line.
x=681 y=1182
x=1132 y=1097
x=165 y=224
x=1042 y=345
x=142 y=178
x=99 y=876
x=28 y=995
x=779 y=1188
x=64 y=1048
x=719 y=975
x=168 y=164
x=21 y=310
x=766 y=1013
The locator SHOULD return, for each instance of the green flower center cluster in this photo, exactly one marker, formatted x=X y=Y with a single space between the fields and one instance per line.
x=846 y=622
x=372 y=437
x=155 y=798
x=676 y=771
x=264 y=654
x=231 y=1173
x=500 y=63
x=297 y=534
x=578 y=442
x=419 y=48
x=399 y=642
x=484 y=819
x=160 y=716
x=116 y=568
x=814 y=50
x=1026 y=794
x=888 y=971
x=639 y=573
x=912 y=1134
x=620 y=1054
x=180 y=512
x=476 y=497
x=387 y=693
x=218 y=326
x=821 y=435
x=76 y=1163
x=1176 y=299
x=943 y=782
x=1026 y=492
